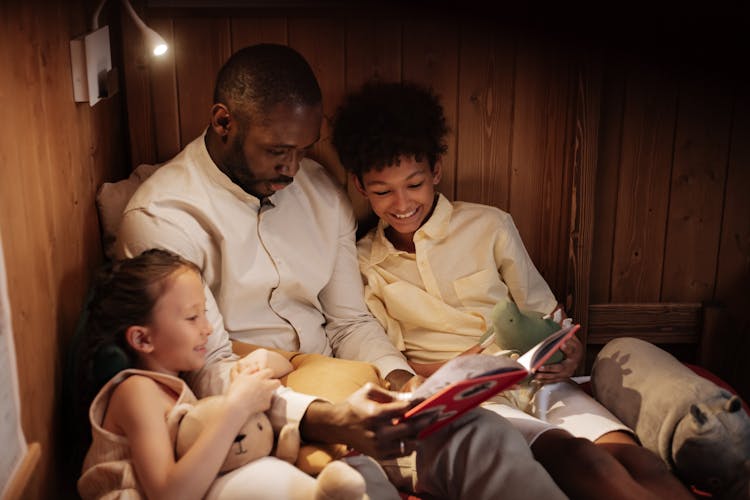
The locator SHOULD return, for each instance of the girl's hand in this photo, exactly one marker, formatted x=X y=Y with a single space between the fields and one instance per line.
x=252 y=389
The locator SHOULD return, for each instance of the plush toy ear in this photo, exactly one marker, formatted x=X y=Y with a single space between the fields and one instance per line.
x=733 y=404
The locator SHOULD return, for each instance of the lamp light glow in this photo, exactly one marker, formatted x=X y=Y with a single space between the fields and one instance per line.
x=154 y=41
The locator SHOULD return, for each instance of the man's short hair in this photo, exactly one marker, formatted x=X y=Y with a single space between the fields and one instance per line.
x=383 y=121
x=258 y=77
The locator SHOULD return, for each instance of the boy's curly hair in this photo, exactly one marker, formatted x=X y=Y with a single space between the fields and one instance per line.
x=383 y=121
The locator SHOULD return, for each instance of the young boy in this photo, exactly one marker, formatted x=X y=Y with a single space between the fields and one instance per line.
x=434 y=269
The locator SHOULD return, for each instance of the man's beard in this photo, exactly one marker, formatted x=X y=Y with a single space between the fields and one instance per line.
x=236 y=168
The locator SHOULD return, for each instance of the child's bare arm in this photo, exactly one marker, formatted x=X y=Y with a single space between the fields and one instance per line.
x=140 y=405
x=263 y=358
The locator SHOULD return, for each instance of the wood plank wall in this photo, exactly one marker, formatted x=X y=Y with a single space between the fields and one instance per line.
x=672 y=221
x=613 y=149
x=507 y=100
x=54 y=154
x=535 y=119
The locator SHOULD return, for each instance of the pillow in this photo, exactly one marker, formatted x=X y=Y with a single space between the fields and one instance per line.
x=698 y=428
x=333 y=379
x=111 y=200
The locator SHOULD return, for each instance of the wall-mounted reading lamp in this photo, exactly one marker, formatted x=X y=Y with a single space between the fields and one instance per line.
x=91 y=61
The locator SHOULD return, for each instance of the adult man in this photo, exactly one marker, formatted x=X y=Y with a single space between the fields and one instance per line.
x=274 y=238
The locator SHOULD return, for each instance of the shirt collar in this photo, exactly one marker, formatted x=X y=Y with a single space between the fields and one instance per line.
x=435 y=228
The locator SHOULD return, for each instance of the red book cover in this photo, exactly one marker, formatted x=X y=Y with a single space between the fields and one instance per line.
x=459 y=397
x=466 y=381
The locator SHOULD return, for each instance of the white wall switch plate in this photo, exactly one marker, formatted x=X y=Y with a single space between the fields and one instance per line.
x=98 y=63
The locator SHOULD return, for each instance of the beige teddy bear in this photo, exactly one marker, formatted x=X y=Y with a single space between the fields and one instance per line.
x=255 y=439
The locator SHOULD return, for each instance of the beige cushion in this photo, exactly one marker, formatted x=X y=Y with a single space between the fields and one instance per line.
x=111 y=200
x=330 y=378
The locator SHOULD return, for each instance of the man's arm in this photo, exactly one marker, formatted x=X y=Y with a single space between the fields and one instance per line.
x=367 y=421
x=352 y=331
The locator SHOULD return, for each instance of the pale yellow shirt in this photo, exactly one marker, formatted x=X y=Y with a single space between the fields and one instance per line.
x=435 y=303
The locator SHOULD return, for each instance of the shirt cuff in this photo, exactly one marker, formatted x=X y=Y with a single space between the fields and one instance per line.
x=288 y=407
x=388 y=364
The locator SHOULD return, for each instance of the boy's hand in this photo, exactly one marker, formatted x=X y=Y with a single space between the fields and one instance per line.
x=396 y=379
x=413 y=383
x=573 y=350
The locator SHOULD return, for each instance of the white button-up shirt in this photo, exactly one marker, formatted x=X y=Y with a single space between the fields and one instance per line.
x=282 y=275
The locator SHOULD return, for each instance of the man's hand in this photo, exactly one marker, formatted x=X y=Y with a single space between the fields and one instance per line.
x=573 y=350
x=413 y=383
x=368 y=421
x=251 y=390
x=260 y=359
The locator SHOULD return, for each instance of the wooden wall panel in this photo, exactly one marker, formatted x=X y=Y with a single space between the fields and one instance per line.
x=249 y=31
x=48 y=179
x=734 y=252
x=643 y=195
x=163 y=97
x=485 y=116
x=541 y=129
x=321 y=42
x=373 y=51
x=201 y=47
x=730 y=349
x=143 y=143
x=583 y=191
x=608 y=173
x=430 y=57
x=697 y=188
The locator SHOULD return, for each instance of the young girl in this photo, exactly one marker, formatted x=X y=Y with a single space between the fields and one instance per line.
x=152 y=308
x=433 y=270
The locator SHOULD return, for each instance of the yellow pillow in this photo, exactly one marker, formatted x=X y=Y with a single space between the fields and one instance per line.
x=331 y=378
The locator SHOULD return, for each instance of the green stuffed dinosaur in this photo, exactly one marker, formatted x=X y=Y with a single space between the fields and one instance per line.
x=518 y=331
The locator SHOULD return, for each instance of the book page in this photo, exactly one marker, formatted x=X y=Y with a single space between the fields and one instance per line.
x=459 y=397
x=540 y=353
x=461 y=368
x=11 y=433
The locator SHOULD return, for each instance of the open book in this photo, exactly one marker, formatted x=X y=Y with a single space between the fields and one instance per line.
x=466 y=381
